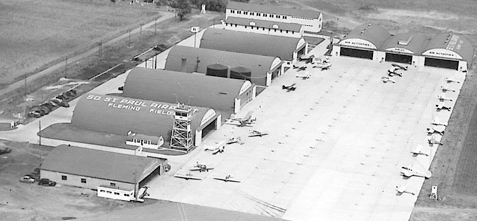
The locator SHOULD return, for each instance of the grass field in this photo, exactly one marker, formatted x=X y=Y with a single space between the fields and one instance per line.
x=40 y=32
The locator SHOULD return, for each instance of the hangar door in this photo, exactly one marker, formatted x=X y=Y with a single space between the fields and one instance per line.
x=357 y=53
x=401 y=58
x=441 y=63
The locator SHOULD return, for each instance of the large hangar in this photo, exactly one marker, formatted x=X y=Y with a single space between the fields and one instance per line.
x=448 y=50
x=363 y=42
x=222 y=94
x=286 y=48
x=405 y=48
x=262 y=69
x=122 y=116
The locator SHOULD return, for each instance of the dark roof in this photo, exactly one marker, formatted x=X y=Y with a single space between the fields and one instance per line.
x=412 y=43
x=259 y=65
x=263 y=23
x=194 y=89
x=374 y=34
x=251 y=43
x=269 y=9
x=454 y=43
x=100 y=164
x=119 y=115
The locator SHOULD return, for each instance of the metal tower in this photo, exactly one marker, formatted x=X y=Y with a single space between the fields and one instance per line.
x=181 y=137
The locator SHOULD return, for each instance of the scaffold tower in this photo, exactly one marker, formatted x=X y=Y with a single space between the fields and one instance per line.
x=181 y=137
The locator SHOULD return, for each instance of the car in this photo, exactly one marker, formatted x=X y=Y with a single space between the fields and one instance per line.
x=35 y=114
x=59 y=102
x=71 y=92
x=27 y=179
x=46 y=182
x=4 y=150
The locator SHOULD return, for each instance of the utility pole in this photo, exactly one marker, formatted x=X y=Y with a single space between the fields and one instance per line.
x=155 y=27
x=66 y=67
x=25 y=87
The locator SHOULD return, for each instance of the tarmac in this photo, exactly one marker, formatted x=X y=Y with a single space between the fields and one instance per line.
x=334 y=149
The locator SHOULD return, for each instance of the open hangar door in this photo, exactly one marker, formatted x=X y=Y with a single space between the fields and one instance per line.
x=400 y=58
x=441 y=63
x=357 y=53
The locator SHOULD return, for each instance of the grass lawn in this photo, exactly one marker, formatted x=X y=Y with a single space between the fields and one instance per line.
x=40 y=32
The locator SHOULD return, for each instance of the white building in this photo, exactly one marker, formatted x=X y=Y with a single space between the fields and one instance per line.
x=264 y=27
x=312 y=21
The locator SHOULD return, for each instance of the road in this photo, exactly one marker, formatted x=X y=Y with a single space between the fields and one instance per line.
x=60 y=65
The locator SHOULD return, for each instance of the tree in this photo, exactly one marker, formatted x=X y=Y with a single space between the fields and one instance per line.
x=184 y=8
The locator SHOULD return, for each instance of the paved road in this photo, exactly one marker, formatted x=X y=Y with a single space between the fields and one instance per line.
x=60 y=65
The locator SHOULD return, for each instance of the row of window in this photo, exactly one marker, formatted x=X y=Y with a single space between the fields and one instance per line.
x=257 y=14
x=258 y=28
x=135 y=140
x=83 y=180
x=115 y=193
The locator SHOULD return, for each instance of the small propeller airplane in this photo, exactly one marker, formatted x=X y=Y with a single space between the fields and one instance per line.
x=408 y=172
x=394 y=72
x=387 y=79
x=300 y=68
x=398 y=66
x=436 y=130
x=305 y=75
x=244 y=121
x=403 y=189
x=438 y=122
x=446 y=89
x=442 y=98
x=440 y=107
x=434 y=139
x=233 y=140
x=417 y=150
x=219 y=149
x=323 y=66
x=289 y=88
x=187 y=176
x=451 y=80
x=227 y=178
x=201 y=168
x=256 y=133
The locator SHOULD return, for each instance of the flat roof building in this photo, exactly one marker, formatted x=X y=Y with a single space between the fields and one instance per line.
x=221 y=94
x=264 y=27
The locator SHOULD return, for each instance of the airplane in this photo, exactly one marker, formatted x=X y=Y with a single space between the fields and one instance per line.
x=445 y=89
x=304 y=76
x=306 y=57
x=435 y=130
x=219 y=149
x=323 y=66
x=300 y=68
x=227 y=178
x=417 y=150
x=387 y=79
x=450 y=80
x=233 y=140
x=289 y=88
x=394 y=72
x=201 y=168
x=408 y=172
x=402 y=189
x=443 y=98
x=440 y=107
x=256 y=133
x=398 y=66
x=244 y=121
x=437 y=122
x=434 y=140
x=187 y=176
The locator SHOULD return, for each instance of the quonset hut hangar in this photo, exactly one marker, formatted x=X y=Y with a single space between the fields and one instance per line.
x=373 y=42
x=88 y=168
x=123 y=116
x=286 y=48
x=221 y=94
x=260 y=70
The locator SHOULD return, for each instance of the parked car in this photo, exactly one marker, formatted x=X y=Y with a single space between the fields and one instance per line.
x=59 y=102
x=27 y=179
x=4 y=150
x=46 y=182
x=71 y=93
x=35 y=114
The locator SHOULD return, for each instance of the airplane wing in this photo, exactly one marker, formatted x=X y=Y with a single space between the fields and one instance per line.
x=187 y=177
x=226 y=179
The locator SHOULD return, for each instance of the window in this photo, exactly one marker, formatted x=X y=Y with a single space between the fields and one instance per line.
x=108 y=192
x=112 y=184
x=258 y=14
x=149 y=142
x=83 y=180
x=239 y=12
x=126 y=194
x=116 y=193
x=102 y=191
x=270 y=15
x=134 y=140
x=293 y=32
x=232 y=11
x=287 y=31
x=63 y=177
x=251 y=13
x=245 y=13
x=263 y=28
x=264 y=15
